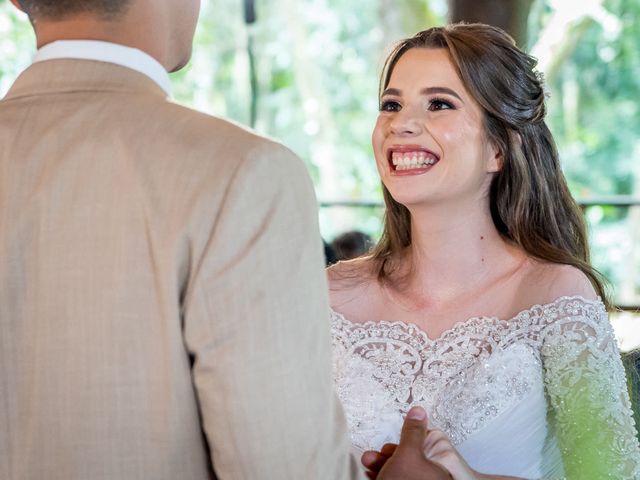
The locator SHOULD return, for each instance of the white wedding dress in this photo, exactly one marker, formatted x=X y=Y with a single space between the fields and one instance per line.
x=541 y=395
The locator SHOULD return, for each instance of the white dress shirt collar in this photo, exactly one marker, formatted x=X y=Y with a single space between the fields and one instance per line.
x=107 y=52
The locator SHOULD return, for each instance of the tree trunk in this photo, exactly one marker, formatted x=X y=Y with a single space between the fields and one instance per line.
x=510 y=15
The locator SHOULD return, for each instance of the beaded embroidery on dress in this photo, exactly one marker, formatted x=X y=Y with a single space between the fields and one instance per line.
x=538 y=396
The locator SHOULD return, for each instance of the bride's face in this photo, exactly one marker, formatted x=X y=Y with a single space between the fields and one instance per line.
x=429 y=141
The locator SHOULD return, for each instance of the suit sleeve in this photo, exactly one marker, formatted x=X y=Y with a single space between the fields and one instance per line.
x=256 y=324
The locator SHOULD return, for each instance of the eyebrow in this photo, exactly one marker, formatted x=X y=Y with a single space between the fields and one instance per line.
x=425 y=91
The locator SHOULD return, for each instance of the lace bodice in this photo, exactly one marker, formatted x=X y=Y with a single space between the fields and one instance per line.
x=540 y=395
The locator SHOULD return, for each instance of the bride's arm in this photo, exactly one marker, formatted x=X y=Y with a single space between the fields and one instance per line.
x=586 y=386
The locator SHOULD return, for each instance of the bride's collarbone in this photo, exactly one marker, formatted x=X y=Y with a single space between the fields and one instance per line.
x=500 y=296
x=533 y=283
x=444 y=311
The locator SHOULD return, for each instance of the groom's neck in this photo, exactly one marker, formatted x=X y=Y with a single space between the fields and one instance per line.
x=79 y=27
x=129 y=31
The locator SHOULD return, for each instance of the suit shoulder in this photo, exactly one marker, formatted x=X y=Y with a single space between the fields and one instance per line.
x=189 y=120
x=226 y=139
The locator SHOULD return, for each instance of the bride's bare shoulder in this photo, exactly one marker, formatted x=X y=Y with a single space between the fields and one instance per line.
x=545 y=282
x=348 y=275
x=350 y=282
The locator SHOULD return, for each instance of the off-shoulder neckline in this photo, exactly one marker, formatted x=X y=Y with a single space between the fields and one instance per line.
x=476 y=319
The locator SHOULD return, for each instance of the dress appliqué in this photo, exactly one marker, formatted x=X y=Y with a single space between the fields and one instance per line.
x=475 y=375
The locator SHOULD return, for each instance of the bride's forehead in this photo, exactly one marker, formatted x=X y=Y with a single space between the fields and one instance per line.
x=426 y=57
x=428 y=64
x=421 y=68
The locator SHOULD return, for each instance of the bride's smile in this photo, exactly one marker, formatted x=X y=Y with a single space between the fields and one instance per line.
x=429 y=140
x=411 y=159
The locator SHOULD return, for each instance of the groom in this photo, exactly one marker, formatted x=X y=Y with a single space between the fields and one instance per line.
x=162 y=305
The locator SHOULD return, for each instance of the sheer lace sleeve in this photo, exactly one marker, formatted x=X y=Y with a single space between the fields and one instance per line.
x=587 y=390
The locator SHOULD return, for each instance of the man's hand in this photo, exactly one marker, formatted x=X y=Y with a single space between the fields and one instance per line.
x=405 y=461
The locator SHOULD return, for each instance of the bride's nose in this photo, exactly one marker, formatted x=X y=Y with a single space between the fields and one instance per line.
x=406 y=123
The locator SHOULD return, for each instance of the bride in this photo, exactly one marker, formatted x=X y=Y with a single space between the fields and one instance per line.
x=479 y=302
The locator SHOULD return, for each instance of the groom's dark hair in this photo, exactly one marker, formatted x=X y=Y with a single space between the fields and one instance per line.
x=58 y=9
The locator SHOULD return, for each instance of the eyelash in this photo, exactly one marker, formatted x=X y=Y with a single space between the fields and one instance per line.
x=386 y=104
x=441 y=101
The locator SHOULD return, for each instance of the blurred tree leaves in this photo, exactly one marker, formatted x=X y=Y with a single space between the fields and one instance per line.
x=593 y=106
x=317 y=65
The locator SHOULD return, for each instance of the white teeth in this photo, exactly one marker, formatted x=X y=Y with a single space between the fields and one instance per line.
x=409 y=160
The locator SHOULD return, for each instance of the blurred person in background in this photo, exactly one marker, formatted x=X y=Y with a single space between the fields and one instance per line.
x=351 y=244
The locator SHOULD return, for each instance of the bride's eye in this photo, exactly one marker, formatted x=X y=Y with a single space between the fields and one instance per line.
x=437 y=104
x=390 y=106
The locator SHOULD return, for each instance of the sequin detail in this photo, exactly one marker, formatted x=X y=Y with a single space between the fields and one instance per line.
x=482 y=367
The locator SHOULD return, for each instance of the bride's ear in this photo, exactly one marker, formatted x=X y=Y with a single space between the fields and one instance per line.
x=495 y=160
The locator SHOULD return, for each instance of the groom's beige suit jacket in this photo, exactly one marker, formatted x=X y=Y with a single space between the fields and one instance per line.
x=163 y=310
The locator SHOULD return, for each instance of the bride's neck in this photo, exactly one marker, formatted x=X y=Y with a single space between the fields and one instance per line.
x=453 y=251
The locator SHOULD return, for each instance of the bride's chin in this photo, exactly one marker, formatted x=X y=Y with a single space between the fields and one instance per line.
x=407 y=199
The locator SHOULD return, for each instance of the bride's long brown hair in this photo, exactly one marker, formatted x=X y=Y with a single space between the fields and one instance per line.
x=530 y=202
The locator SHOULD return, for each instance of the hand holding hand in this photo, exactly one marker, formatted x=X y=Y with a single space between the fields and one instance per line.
x=438 y=449
x=405 y=461
x=421 y=455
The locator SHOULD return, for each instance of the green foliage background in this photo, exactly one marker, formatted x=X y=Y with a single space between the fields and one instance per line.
x=317 y=65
